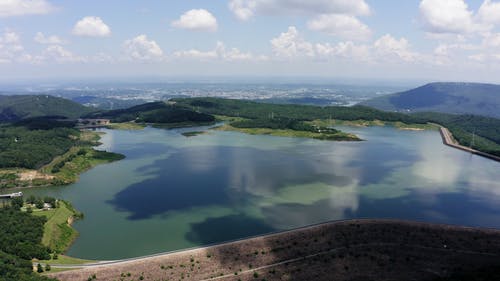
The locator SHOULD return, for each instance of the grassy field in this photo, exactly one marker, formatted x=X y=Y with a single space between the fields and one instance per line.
x=126 y=126
x=341 y=136
x=58 y=233
x=365 y=123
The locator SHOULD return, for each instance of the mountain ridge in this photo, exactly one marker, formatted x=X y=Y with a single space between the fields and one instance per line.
x=445 y=97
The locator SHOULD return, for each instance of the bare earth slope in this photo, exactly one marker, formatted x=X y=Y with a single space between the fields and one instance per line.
x=346 y=250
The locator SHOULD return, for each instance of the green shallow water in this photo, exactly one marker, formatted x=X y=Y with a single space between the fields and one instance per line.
x=173 y=192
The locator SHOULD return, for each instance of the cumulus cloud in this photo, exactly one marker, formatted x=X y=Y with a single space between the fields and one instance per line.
x=346 y=50
x=141 y=48
x=61 y=55
x=291 y=44
x=92 y=27
x=9 y=8
x=489 y=12
x=52 y=39
x=197 y=19
x=10 y=46
x=220 y=52
x=343 y=26
x=246 y=9
x=389 y=47
x=450 y=17
x=386 y=49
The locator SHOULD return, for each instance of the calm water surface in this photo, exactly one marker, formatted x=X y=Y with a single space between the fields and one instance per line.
x=173 y=192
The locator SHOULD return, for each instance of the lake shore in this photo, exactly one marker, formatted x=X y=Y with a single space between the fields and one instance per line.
x=448 y=140
x=63 y=169
x=362 y=249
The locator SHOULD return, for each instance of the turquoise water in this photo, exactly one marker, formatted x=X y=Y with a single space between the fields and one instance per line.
x=173 y=192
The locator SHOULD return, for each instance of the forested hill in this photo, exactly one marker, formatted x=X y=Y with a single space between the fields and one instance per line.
x=17 y=107
x=154 y=112
x=255 y=110
x=485 y=129
x=456 y=98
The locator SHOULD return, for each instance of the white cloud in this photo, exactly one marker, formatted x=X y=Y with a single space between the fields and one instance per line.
x=291 y=44
x=42 y=39
x=245 y=9
x=220 y=52
x=61 y=55
x=344 y=26
x=242 y=9
x=10 y=47
x=197 y=19
x=492 y=40
x=489 y=12
x=448 y=17
x=9 y=8
x=140 y=48
x=92 y=27
x=388 y=47
x=346 y=50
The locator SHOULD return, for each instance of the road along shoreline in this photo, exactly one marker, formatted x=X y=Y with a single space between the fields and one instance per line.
x=449 y=141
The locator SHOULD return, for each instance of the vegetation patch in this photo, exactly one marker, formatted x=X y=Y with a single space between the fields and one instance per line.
x=67 y=158
x=126 y=126
x=20 y=242
x=58 y=234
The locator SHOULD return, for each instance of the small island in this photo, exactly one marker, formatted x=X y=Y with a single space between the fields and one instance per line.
x=285 y=127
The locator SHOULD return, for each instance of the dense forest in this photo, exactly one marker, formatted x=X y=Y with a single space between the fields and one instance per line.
x=20 y=241
x=31 y=147
x=154 y=112
x=13 y=108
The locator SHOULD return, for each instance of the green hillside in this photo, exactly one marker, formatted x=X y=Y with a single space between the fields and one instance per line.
x=485 y=129
x=455 y=98
x=13 y=108
x=154 y=112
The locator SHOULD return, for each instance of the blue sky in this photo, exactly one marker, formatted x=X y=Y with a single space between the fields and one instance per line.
x=357 y=39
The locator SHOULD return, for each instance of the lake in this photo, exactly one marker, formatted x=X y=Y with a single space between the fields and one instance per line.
x=174 y=192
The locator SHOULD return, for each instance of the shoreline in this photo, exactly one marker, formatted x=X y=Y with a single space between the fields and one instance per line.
x=300 y=245
x=46 y=177
x=448 y=140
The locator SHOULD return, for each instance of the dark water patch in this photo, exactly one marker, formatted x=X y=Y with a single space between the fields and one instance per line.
x=449 y=208
x=204 y=176
x=379 y=158
x=214 y=230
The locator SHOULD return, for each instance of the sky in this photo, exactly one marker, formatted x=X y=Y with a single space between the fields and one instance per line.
x=432 y=40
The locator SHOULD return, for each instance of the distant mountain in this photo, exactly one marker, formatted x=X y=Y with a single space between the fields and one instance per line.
x=457 y=98
x=18 y=107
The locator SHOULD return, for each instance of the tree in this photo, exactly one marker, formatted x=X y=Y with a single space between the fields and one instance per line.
x=39 y=268
x=17 y=202
x=39 y=203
